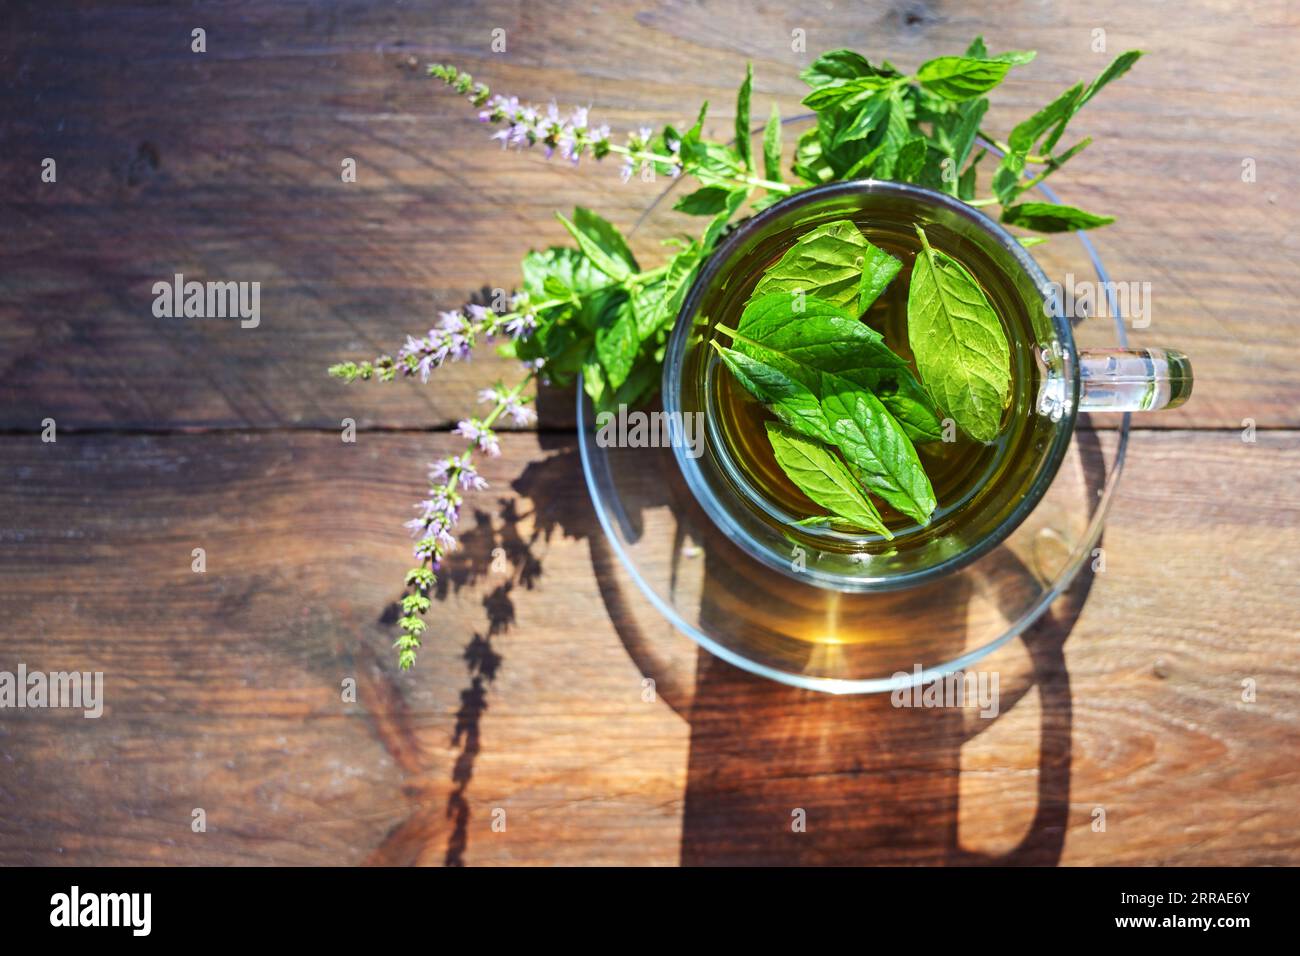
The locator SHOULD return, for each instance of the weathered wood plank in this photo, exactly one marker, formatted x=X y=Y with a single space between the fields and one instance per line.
x=224 y=688
x=225 y=165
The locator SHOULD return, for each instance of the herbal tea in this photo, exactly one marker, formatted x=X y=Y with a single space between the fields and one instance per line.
x=871 y=378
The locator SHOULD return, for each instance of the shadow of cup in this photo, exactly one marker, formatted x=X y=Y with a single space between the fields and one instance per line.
x=785 y=775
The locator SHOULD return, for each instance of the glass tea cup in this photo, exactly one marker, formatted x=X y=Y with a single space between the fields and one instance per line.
x=1066 y=381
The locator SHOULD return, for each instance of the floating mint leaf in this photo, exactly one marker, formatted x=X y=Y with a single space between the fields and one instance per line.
x=790 y=400
x=957 y=339
x=878 y=452
x=820 y=475
x=825 y=338
x=834 y=263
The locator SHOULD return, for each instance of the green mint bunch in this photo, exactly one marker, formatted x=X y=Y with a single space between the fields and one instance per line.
x=873 y=121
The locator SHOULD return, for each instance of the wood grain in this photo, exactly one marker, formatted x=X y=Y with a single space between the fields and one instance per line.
x=224 y=689
x=226 y=165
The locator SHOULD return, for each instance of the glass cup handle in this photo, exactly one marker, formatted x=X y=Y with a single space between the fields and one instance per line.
x=1133 y=380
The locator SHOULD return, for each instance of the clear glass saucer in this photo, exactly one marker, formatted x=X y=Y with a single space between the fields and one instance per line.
x=675 y=566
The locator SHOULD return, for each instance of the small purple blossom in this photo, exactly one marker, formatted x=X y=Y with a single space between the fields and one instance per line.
x=520 y=413
x=475 y=431
x=521 y=325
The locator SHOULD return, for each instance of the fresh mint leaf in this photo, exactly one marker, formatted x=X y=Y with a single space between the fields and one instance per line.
x=1026 y=134
x=789 y=399
x=713 y=164
x=820 y=475
x=1016 y=57
x=977 y=49
x=834 y=263
x=958 y=342
x=1050 y=217
x=966 y=181
x=898 y=131
x=772 y=146
x=562 y=264
x=910 y=159
x=962 y=137
x=735 y=199
x=1006 y=178
x=742 y=118
x=825 y=338
x=601 y=243
x=836 y=65
x=878 y=452
x=616 y=347
x=960 y=78
x=594 y=384
x=878 y=270
x=846 y=93
x=865 y=120
x=707 y=201
x=1117 y=68
x=670 y=292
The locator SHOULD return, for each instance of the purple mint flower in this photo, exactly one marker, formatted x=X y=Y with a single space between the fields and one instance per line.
x=470 y=480
x=459 y=347
x=481 y=435
x=520 y=326
x=417 y=527
x=450 y=322
x=569 y=148
x=479 y=314
x=439 y=470
x=521 y=414
x=468 y=428
x=446 y=540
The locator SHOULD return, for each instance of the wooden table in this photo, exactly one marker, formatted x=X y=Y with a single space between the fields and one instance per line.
x=224 y=689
